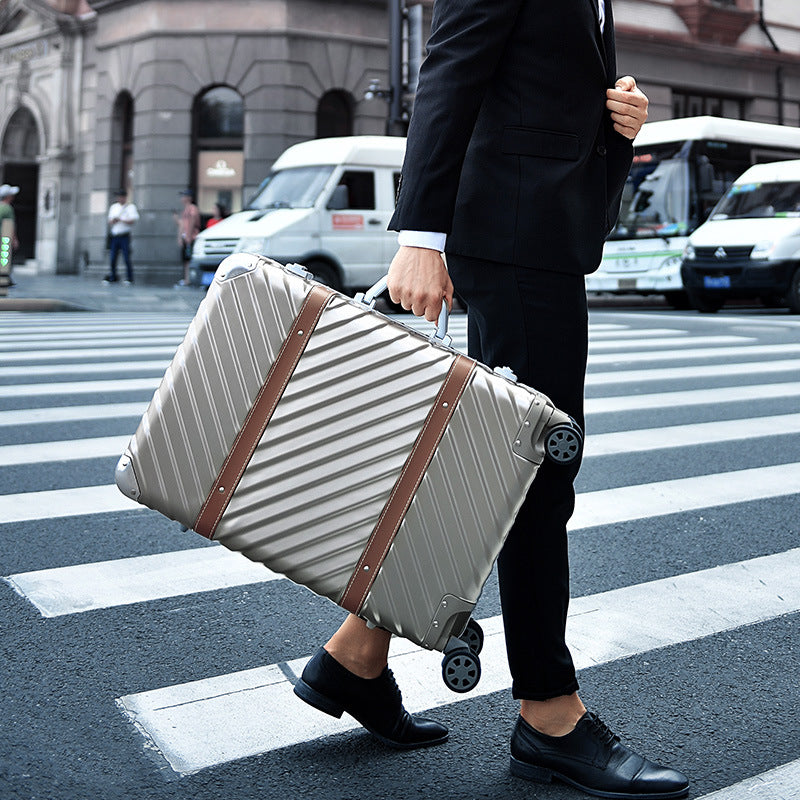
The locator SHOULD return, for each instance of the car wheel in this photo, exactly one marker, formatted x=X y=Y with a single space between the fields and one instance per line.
x=324 y=273
x=705 y=303
x=794 y=293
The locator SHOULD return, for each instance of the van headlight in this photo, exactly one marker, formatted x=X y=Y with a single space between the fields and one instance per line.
x=251 y=244
x=762 y=249
x=689 y=253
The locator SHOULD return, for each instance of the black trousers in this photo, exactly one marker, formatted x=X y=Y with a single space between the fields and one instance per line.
x=536 y=322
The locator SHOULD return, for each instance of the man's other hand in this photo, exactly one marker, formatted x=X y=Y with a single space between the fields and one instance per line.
x=628 y=106
x=418 y=281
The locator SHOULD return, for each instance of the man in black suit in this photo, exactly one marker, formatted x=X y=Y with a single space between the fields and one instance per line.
x=518 y=150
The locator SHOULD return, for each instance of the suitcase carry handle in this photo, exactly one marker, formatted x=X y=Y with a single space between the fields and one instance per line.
x=440 y=335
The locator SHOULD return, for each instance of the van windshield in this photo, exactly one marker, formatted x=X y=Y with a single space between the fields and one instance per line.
x=749 y=200
x=298 y=187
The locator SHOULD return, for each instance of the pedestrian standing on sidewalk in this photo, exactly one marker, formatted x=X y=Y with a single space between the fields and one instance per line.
x=122 y=216
x=188 y=227
x=517 y=154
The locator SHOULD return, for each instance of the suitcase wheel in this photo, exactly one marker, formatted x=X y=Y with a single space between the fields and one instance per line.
x=473 y=636
x=563 y=443
x=461 y=670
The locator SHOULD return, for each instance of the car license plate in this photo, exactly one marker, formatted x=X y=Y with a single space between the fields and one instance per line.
x=627 y=283
x=717 y=281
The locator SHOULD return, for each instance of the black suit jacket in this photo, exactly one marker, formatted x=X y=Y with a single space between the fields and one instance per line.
x=511 y=151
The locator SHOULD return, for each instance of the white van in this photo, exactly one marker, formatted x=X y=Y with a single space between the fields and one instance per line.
x=326 y=204
x=750 y=245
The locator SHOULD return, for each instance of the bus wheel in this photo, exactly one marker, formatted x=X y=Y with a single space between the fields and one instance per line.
x=794 y=293
x=705 y=303
x=678 y=300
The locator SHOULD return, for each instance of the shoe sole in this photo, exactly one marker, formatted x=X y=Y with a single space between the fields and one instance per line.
x=531 y=772
x=328 y=706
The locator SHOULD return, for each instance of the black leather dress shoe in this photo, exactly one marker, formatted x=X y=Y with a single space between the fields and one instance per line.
x=376 y=703
x=591 y=758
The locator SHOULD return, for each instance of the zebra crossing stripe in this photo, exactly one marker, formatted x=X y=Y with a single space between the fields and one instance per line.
x=133 y=349
x=609 y=377
x=672 y=341
x=106 y=584
x=33 y=416
x=781 y=783
x=691 y=397
x=86 y=369
x=79 y=387
x=603 y=444
x=700 y=352
x=603 y=507
x=689 y=435
x=69 y=590
x=258 y=713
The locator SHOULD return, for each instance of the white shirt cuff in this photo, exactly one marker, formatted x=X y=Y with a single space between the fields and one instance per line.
x=427 y=239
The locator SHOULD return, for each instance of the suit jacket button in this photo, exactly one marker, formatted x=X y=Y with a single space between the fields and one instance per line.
x=601 y=149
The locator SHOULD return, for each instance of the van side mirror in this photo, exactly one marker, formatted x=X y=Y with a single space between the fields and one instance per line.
x=339 y=199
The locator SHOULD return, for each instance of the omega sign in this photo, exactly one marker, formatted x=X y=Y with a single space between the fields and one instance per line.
x=219 y=168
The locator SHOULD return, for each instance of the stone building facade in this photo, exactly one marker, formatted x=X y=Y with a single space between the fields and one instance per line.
x=160 y=95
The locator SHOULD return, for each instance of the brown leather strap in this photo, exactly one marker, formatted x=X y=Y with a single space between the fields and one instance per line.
x=262 y=410
x=407 y=484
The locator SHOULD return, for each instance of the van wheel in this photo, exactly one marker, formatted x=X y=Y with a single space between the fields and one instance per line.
x=324 y=273
x=705 y=303
x=793 y=297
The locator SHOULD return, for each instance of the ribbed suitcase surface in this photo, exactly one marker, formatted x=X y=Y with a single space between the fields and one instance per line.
x=342 y=440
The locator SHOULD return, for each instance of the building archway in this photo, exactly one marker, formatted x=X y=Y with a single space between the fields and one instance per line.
x=122 y=143
x=19 y=153
x=218 y=149
x=335 y=113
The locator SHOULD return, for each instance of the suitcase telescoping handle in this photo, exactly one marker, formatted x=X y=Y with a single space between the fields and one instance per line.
x=440 y=335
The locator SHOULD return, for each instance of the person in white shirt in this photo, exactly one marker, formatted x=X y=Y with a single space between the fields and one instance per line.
x=122 y=216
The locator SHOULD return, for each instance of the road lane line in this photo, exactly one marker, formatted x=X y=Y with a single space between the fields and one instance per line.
x=672 y=341
x=79 y=387
x=66 y=450
x=690 y=435
x=98 y=368
x=33 y=416
x=604 y=507
x=691 y=397
x=99 y=352
x=106 y=584
x=259 y=714
x=601 y=444
x=701 y=352
x=781 y=783
x=704 y=371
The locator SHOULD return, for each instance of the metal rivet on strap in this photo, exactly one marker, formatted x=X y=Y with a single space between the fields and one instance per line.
x=221 y=489
x=366 y=567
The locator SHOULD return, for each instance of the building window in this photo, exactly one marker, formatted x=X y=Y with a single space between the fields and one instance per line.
x=693 y=104
x=335 y=114
x=122 y=143
x=218 y=150
x=21 y=139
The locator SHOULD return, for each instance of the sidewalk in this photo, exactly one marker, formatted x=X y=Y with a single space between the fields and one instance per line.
x=37 y=293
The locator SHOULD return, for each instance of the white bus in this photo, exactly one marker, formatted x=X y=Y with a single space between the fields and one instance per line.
x=681 y=169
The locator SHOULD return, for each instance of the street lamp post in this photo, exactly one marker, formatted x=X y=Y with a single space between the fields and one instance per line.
x=395 y=124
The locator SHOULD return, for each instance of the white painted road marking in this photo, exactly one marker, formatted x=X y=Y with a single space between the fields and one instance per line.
x=105 y=584
x=781 y=783
x=700 y=352
x=258 y=712
x=603 y=507
x=33 y=416
x=704 y=371
x=673 y=341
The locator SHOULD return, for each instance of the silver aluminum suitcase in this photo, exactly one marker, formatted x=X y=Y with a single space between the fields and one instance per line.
x=374 y=465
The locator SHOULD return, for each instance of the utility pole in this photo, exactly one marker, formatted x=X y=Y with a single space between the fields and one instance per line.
x=395 y=124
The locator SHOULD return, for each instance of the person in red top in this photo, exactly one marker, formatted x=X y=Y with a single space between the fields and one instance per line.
x=220 y=212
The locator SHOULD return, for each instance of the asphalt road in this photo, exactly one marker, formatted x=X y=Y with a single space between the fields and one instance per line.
x=137 y=678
